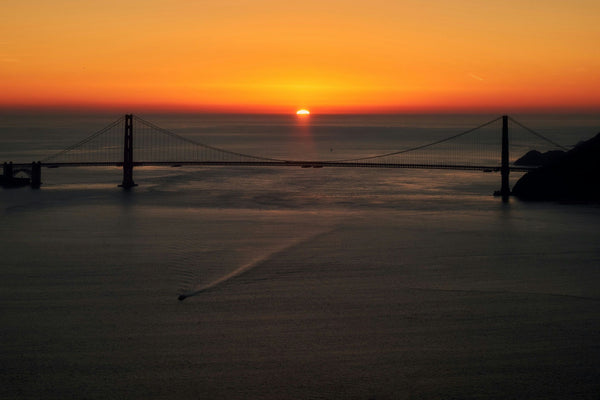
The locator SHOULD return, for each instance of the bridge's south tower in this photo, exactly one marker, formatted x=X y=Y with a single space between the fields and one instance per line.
x=128 y=154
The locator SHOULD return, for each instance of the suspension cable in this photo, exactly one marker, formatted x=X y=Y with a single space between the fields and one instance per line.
x=205 y=146
x=421 y=146
x=538 y=134
x=176 y=136
x=84 y=141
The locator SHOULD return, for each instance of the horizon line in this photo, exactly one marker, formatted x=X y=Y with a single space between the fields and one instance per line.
x=314 y=111
x=292 y=114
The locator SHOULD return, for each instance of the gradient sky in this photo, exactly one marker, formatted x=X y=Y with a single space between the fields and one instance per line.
x=278 y=56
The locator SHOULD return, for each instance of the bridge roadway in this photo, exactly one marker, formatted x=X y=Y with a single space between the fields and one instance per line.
x=303 y=164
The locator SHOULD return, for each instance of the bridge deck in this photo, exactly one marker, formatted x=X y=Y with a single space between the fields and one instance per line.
x=305 y=164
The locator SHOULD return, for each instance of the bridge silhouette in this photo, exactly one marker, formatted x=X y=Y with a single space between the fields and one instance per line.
x=131 y=141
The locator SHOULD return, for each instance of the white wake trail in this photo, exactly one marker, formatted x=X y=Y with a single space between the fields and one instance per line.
x=253 y=263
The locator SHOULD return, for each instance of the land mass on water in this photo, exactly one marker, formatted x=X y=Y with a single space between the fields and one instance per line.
x=562 y=176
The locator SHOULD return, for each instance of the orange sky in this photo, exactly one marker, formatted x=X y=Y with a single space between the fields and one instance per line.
x=325 y=55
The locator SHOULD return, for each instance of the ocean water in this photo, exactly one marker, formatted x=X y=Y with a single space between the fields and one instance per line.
x=329 y=283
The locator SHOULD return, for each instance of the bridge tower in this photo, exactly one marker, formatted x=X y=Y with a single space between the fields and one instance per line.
x=128 y=154
x=504 y=168
x=36 y=175
x=7 y=170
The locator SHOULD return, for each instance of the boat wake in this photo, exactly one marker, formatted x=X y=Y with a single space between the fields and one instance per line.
x=250 y=265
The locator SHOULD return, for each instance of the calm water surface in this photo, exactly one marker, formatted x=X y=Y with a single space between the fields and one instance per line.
x=315 y=283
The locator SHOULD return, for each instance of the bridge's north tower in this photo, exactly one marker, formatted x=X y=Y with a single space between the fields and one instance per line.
x=504 y=168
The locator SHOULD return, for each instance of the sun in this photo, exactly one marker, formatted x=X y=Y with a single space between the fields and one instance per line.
x=303 y=112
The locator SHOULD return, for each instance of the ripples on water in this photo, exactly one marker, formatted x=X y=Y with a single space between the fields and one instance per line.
x=320 y=283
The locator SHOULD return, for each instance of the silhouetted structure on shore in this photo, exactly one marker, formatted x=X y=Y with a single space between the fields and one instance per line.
x=8 y=178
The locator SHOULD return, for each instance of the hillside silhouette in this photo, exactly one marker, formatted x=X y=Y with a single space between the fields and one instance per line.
x=572 y=176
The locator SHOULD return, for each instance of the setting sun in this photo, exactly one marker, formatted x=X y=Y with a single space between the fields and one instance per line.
x=302 y=112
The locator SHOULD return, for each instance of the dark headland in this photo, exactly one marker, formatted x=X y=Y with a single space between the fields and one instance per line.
x=563 y=176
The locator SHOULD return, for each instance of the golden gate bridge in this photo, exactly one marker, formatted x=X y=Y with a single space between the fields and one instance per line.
x=131 y=142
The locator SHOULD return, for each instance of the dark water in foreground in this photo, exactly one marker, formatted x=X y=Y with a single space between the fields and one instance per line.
x=322 y=283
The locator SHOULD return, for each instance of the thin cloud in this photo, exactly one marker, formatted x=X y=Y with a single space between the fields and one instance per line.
x=477 y=77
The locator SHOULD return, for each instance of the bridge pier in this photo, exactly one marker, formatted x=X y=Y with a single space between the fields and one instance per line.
x=36 y=175
x=128 y=154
